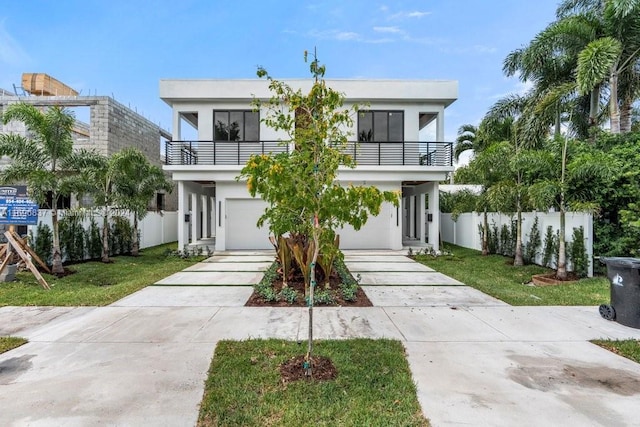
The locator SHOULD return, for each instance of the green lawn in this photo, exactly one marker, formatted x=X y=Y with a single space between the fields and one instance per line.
x=373 y=387
x=9 y=343
x=494 y=275
x=626 y=348
x=95 y=283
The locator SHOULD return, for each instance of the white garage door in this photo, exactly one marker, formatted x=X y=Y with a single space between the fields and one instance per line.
x=241 y=230
x=374 y=235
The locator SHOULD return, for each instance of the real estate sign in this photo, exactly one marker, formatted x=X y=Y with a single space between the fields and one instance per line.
x=16 y=208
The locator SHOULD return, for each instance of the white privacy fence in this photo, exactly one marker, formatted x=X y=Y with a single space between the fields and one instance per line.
x=155 y=228
x=465 y=231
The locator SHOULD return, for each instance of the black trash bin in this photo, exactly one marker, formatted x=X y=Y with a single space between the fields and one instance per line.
x=624 y=275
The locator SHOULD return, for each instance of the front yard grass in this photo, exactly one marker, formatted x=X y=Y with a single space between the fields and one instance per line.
x=494 y=276
x=626 y=348
x=95 y=283
x=9 y=343
x=373 y=386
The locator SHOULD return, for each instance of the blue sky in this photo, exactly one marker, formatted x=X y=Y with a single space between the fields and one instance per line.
x=123 y=48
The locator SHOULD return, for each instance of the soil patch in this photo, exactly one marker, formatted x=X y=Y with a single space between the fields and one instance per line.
x=297 y=283
x=551 y=279
x=322 y=369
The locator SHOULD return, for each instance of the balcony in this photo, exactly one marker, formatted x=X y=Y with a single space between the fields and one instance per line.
x=407 y=153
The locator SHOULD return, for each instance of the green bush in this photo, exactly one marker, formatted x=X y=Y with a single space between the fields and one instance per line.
x=550 y=253
x=43 y=244
x=120 y=237
x=72 y=237
x=289 y=295
x=534 y=242
x=94 y=240
x=577 y=253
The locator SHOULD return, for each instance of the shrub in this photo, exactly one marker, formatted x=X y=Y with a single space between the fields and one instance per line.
x=533 y=244
x=121 y=236
x=43 y=244
x=94 y=240
x=72 y=238
x=550 y=248
x=577 y=253
x=289 y=295
x=323 y=296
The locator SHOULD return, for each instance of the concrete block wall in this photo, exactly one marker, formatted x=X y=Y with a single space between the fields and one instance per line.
x=112 y=127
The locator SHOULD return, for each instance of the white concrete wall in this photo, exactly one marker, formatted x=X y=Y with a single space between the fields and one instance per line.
x=465 y=232
x=155 y=228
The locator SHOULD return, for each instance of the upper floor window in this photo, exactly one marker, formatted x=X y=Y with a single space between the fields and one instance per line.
x=381 y=126
x=236 y=125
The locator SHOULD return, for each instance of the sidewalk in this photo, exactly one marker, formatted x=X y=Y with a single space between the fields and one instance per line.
x=476 y=360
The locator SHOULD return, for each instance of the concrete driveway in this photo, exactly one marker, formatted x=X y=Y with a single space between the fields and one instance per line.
x=476 y=360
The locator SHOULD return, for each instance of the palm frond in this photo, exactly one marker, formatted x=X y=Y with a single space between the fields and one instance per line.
x=596 y=61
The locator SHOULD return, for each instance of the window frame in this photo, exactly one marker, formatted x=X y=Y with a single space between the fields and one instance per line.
x=373 y=125
x=244 y=122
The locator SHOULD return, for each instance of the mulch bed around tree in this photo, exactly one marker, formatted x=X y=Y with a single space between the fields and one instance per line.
x=322 y=369
x=297 y=283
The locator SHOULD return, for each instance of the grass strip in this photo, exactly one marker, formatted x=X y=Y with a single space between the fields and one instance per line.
x=9 y=343
x=95 y=283
x=374 y=386
x=625 y=348
x=495 y=275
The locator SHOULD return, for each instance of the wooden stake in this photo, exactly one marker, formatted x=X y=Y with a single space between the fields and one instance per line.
x=26 y=248
x=16 y=246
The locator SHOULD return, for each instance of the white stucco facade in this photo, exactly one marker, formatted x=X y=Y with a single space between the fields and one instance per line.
x=213 y=204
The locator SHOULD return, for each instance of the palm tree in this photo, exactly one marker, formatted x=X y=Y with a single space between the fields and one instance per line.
x=561 y=166
x=549 y=61
x=137 y=183
x=44 y=159
x=478 y=138
x=98 y=180
x=612 y=57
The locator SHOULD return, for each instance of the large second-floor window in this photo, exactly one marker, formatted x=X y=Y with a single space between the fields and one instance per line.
x=381 y=126
x=236 y=125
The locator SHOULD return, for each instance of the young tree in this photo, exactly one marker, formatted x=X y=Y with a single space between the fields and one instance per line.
x=137 y=182
x=44 y=159
x=564 y=165
x=300 y=187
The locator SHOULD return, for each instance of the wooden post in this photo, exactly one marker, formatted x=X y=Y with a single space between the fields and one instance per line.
x=16 y=246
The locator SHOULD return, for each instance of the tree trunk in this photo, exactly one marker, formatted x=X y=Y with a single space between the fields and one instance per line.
x=614 y=110
x=56 y=258
x=135 y=245
x=625 y=114
x=594 y=104
x=312 y=285
x=558 y=122
x=518 y=260
x=561 y=272
x=485 y=233
x=105 y=235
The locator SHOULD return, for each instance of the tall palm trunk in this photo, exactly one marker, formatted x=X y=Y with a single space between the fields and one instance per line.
x=594 y=104
x=135 y=244
x=518 y=260
x=485 y=233
x=561 y=271
x=614 y=110
x=625 y=114
x=105 y=235
x=56 y=258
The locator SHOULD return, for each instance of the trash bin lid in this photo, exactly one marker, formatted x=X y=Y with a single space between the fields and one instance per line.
x=627 y=262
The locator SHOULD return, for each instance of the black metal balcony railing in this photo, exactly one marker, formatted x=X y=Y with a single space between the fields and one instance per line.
x=405 y=153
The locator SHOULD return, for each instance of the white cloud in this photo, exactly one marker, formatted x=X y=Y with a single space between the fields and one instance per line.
x=408 y=15
x=347 y=35
x=394 y=30
x=11 y=52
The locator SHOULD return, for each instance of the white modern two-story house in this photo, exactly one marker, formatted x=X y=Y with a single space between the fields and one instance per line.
x=387 y=146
